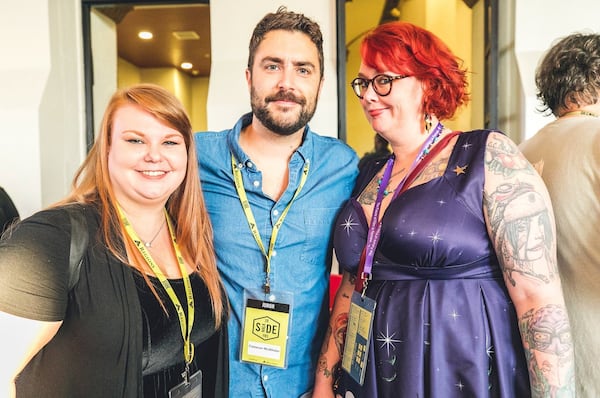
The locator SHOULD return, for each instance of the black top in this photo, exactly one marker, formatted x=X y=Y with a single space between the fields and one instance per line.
x=8 y=211
x=109 y=320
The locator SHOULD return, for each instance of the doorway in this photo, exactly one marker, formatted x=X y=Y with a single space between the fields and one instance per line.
x=175 y=53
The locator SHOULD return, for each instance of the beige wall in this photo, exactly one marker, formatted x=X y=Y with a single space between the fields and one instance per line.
x=191 y=91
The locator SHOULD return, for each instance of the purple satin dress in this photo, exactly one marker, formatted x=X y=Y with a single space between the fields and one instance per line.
x=444 y=323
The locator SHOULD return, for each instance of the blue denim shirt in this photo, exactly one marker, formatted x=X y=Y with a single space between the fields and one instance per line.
x=302 y=255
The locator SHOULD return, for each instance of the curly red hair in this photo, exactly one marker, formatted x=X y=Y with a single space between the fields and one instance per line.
x=407 y=49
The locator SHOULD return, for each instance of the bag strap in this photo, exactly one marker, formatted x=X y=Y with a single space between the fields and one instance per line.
x=79 y=242
x=434 y=151
x=358 y=285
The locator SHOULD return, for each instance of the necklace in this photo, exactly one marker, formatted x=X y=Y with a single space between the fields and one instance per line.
x=387 y=189
x=580 y=113
x=149 y=243
x=429 y=143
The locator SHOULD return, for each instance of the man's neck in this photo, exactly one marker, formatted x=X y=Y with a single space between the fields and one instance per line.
x=271 y=154
x=259 y=142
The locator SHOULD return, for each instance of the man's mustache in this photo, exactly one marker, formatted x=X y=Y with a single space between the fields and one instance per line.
x=286 y=96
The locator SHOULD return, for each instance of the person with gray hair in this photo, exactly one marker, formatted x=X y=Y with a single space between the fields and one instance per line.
x=566 y=152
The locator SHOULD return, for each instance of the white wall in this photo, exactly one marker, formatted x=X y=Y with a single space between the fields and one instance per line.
x=24 y=70
x=538 y=24
x=41 y=100
x=228 y=96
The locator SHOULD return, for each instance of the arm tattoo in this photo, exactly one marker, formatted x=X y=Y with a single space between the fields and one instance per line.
x=503 y=158
x=339 y=336
x=522 y=231
x=548 y=348
x=322 y=362
x=352 y=279
x=339 y=331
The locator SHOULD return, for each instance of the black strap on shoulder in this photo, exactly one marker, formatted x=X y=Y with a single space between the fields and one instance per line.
x=79 y=242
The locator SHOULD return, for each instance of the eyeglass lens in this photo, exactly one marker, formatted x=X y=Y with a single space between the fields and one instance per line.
x=382 y=84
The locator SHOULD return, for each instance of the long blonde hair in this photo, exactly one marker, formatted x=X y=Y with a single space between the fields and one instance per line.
x=186 y=206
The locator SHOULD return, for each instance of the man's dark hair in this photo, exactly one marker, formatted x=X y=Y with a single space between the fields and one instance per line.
x=283 y=19
x=569 y=74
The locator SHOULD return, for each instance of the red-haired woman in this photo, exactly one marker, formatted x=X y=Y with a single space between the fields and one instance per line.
x=461 y=303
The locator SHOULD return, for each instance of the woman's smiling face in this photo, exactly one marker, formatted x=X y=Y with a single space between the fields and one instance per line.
x=147 y=159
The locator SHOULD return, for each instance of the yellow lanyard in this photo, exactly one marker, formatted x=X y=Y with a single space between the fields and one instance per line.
x=239 y=186
x=186 y=331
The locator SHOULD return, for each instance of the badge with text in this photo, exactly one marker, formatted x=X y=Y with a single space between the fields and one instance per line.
x=191 y=388
x=265 y=328
x=358 y=336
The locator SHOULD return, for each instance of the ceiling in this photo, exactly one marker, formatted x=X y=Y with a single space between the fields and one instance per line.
x=181 y=33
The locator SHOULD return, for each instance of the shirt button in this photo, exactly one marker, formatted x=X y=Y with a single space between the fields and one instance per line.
x=274 y=253
x=240 y=166
x=248 y=164
x=256 y=183
x=275 y=212
x=266 y=377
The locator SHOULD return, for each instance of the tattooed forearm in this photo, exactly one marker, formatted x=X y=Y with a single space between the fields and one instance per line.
x=339 y=331
x=322 y=367
x=352 y=279
x=322 y=362
x=503 y=158
x=549 y=349
x=522 y=231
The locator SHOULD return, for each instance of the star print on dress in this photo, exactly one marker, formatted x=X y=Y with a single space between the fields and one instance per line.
x=460 y=170
x=467 y=145
x=348 y=224
x=454 y=314
x=435 y=237
x=387 y=340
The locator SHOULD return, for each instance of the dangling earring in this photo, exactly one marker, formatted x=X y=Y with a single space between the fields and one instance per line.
x=428 y=123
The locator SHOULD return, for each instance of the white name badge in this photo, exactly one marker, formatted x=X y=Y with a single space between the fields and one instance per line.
x=190 y=389
x=266 y=328
x=358 y=336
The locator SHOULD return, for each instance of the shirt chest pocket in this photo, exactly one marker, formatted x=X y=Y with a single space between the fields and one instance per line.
x=317 y=227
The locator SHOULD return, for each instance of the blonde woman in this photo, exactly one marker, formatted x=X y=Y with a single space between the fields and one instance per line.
x=147 y=313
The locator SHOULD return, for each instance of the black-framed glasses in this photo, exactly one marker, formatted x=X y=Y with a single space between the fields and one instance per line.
x=382 y=84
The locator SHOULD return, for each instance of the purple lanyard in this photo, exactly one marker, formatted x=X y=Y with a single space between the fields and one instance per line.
x=375 y=227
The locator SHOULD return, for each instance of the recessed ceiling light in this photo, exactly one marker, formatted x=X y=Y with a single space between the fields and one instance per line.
x=186 y=65
x=186 y=35
x=145 y=35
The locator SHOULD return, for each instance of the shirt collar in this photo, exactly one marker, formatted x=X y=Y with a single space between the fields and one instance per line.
x=305 y=150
